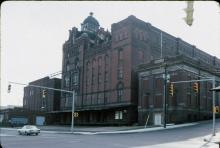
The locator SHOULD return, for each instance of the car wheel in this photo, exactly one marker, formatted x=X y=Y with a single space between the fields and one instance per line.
x=36 y=134
x=19 y=133
x=25 y=133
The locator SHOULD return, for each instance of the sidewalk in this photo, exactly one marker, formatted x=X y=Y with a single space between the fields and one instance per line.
x=198 y=142
x=104 y=130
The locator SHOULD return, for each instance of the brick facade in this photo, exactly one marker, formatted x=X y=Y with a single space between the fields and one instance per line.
x=33 y=97
x=185 y=105
x=100 y=66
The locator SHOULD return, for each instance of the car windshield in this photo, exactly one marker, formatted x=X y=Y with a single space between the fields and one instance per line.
x=29 y=127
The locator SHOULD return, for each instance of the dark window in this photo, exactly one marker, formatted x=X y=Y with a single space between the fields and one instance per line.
x=120 y=73
x=120 y=64
x=106 y=68
x=120 y=54
x=67 y=67
x=93 y=71
x=120 y=92
x=75 y=78
x=99 y=70
x=67 y=81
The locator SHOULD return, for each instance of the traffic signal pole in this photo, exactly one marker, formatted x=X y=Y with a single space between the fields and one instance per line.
x=50 y=88
x=72 y=123
x=213 y=104
x=165 y=97
x=213 y=95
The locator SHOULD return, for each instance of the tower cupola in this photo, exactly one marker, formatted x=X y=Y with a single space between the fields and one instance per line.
x=90 y=24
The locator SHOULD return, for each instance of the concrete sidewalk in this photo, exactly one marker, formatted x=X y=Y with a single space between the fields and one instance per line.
x=104 y=130
x=137 y=130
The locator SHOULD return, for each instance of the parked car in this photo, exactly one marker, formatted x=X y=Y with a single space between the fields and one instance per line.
x=29 y=130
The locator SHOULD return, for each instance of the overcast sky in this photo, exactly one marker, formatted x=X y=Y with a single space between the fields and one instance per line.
x=33 y=32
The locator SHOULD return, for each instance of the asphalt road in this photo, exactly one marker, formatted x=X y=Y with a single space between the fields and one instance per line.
x=10 y=139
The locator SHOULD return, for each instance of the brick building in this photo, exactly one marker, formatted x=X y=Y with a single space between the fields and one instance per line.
x=100 y=66
x=186 y=103
x=34 y=99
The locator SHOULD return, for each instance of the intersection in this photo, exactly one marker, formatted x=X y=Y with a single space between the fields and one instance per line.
x=189 y=136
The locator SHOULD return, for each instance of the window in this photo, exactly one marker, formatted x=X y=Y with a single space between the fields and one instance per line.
x=87 y=73
x=141 y=56
x=99 y=70
x=118 y=115
x=120 y=64
x=67 y=81
x=25 y=102
x=75 y=78
x=67 y=67
x=120 y=92
x=106 y=76
x=120 y=73
x=66 y=100
x=99 y=78
x=106 y=97
x=106 y=68
x=120 y=54
x=93 y=71
x=31 y=92
x=99 y=98
x=76 y=64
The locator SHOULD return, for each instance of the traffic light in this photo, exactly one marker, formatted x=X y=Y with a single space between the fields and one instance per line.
x=189 y=13
x=171 y=89
x=9 y=88
x=44 y=93
x=196 y=87
x=216 y=109
x=75 y=114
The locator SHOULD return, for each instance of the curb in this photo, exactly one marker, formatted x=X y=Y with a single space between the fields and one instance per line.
x=124 y=132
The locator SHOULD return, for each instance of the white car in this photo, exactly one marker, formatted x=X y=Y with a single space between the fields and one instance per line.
x=29 y=130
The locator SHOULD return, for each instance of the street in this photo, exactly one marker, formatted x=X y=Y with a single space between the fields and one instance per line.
x=191 y=136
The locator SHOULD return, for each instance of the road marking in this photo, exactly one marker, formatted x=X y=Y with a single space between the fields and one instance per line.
x=5 y=135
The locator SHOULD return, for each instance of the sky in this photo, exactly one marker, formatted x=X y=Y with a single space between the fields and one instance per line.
x=33 y=32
